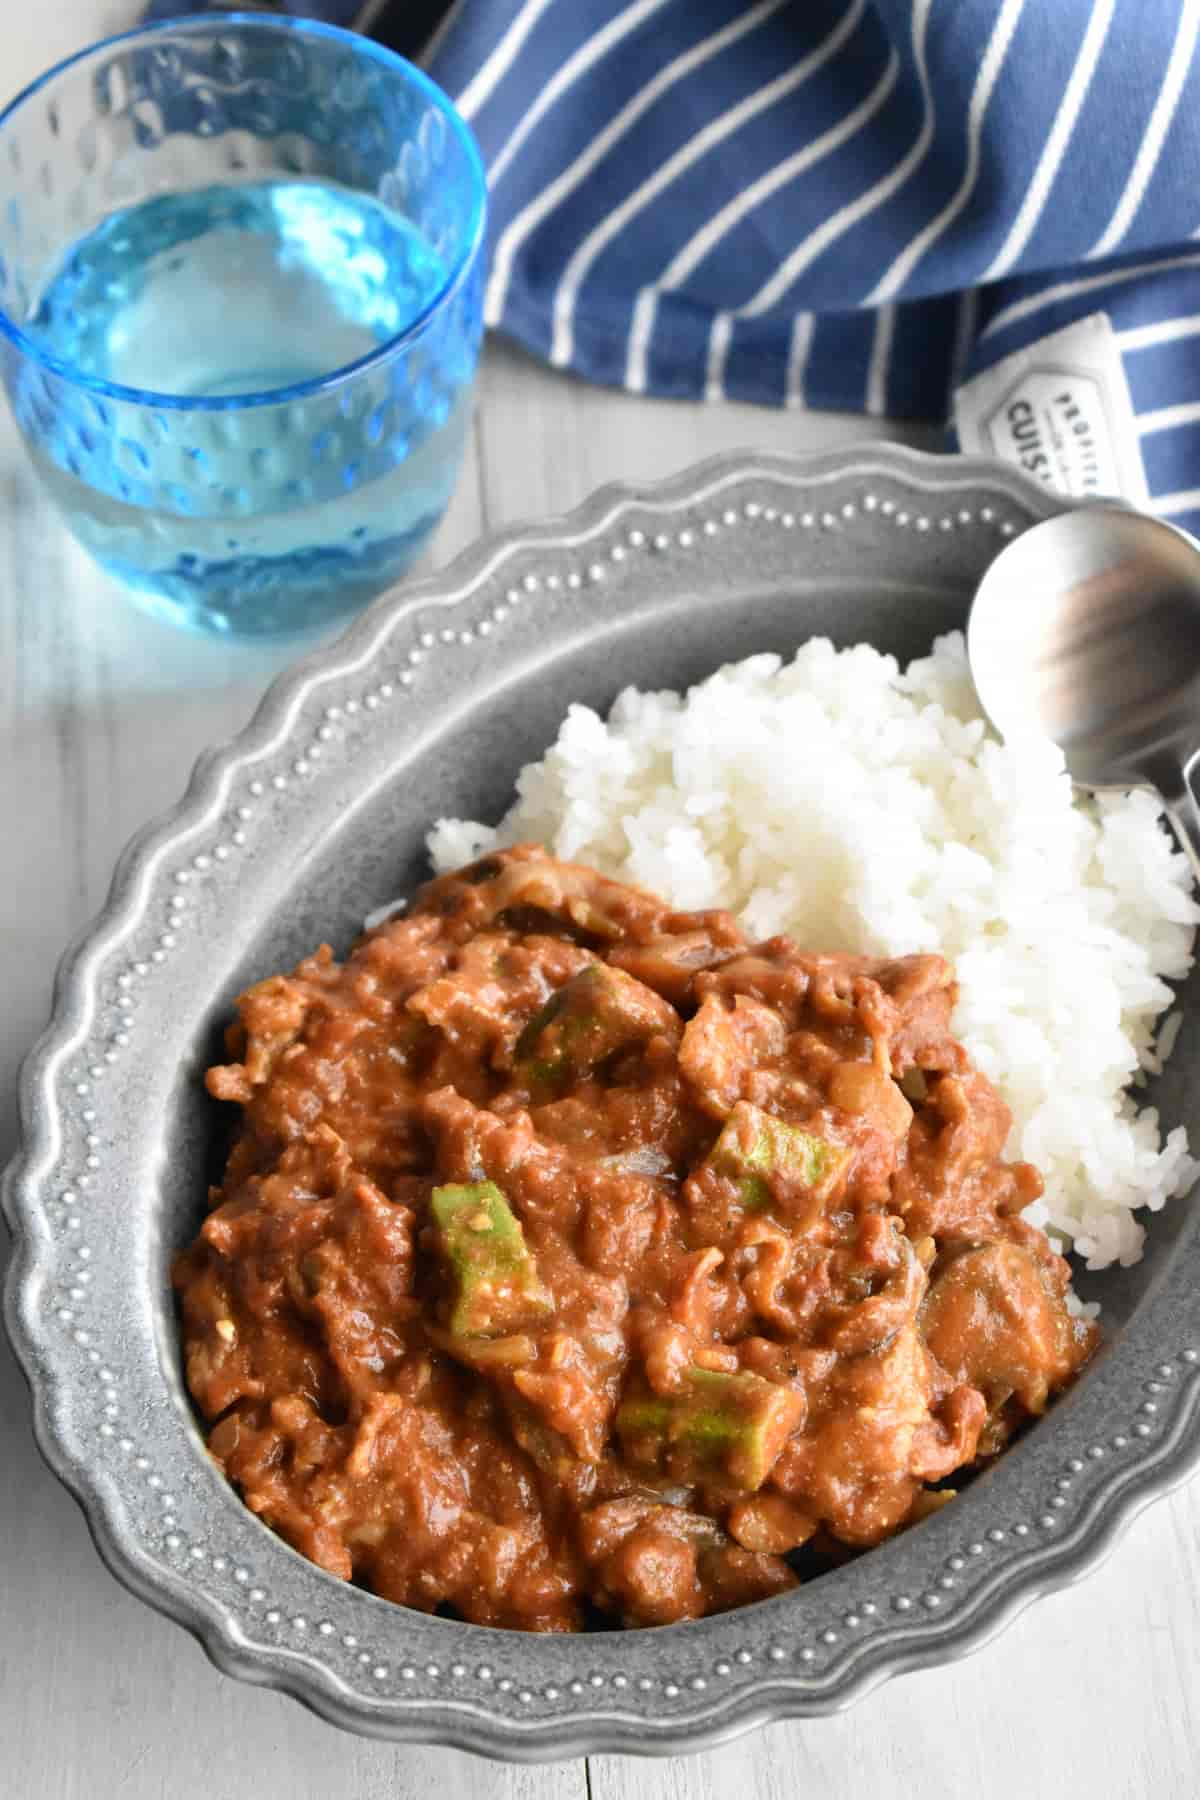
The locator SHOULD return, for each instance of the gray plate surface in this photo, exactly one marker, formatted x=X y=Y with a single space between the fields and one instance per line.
x=315 y=815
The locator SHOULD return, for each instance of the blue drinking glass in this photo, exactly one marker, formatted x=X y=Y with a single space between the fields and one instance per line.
x=241 y=266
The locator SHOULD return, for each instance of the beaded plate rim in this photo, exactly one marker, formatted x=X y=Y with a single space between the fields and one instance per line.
x=724 y=1674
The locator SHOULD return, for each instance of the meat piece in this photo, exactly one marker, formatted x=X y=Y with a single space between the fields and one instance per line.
x=866 y=1091
x=768 y=1523
x=656 y=1564
x=873 y=1437
x=568 y=1394
x=308 y=1295
x=670 y=963
x=493 y=987
x=528 y=890
x=991 y=1320
x=723 y=1045
x=873 y=1322
x=473 y=1143
x=278 y=1455
x=898 y=1008
x=644 y=1127
x=960 y=1128
x=924 y=993
x=953 y=1185
x=271 y=1016
x=652 y=1578
x=786 y=1280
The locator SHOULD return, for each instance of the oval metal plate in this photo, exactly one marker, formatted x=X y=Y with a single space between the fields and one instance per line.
x=292 y=834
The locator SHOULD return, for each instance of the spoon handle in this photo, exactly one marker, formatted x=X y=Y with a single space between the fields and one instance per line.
x=1184 y=814
x=1185 y=817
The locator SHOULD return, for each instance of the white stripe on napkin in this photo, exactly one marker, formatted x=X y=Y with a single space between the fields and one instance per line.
x=1025 y=223
x=491 y=73
x=697 y=248
x=989 y=69
x=881 y=360
x=1163 y=331
x=572 y=177
x=715 y=132
x=800 y=345
x=1169 y=418
x=846 y=217
x=576 y=66
x=1151 y=145
x=1185 y=500
x=1086 y=284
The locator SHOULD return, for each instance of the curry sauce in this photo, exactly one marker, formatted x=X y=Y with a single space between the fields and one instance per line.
x=576 y=1256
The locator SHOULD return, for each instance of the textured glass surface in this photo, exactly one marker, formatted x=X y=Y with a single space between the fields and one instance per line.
x=240 y=312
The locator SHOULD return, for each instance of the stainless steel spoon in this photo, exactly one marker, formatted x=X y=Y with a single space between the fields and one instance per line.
x=1086 y=630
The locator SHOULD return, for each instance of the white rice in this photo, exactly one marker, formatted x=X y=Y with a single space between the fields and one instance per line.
x=862 y=808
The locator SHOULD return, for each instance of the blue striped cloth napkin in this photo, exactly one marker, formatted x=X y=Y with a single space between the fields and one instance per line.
x=861 y=204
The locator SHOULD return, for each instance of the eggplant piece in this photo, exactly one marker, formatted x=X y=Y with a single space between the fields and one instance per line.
x=598 y=1013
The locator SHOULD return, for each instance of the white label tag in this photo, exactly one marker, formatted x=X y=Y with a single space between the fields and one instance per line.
x=1061 y=410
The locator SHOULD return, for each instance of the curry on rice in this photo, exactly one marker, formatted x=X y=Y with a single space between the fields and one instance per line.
x=576 y=1254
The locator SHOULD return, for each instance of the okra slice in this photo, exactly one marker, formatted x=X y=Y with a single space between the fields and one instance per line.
x=732 y=1426
x=754 y=1145
x=494 y=1277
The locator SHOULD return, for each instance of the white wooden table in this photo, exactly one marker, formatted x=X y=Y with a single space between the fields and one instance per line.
x=101 y=716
